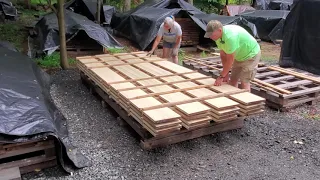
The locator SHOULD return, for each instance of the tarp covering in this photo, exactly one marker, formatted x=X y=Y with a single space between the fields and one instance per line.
x=269 y=23
x=273 y=4
x=301 y=40
x=141 y=24
x=88 y=8
x=203 y=19
x=7 y=8
x=233 y=10
x=48 y=31
x=27 y=110
x=108 y=12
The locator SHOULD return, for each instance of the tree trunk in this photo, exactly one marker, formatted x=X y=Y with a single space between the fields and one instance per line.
x=98 y=11
x=62 y=33
x=127 y=5
x=190 y=1
x=27 y=4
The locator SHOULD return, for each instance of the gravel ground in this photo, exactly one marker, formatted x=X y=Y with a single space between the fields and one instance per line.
x=270 y=146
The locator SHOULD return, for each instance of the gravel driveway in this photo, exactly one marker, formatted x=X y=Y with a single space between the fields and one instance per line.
x=270 y=146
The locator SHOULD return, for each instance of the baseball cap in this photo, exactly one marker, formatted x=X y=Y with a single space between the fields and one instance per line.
x=211 y=27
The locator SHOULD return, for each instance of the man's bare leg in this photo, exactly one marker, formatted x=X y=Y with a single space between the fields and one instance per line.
x=245 y=85
x=233 y=82
x=165 y=53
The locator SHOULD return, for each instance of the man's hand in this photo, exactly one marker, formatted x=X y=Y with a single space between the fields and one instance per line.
x=150 y=53
x=226 y=78
x=218 y=81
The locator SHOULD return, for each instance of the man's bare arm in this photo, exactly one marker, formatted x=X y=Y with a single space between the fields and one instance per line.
x=227 y=61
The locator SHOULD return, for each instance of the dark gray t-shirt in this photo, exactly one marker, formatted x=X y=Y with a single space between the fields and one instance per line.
x=172 y=35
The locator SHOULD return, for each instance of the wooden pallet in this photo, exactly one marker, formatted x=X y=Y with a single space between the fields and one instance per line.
x=161 y=96
x=282 y=88
x=27 y=156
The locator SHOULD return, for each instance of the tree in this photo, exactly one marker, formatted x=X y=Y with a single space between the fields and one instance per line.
x=127 y=5
x=62 y=33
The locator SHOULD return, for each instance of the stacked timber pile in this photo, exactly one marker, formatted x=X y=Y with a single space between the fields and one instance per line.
x=281 y=87
x=161 y=96
x=190 y=32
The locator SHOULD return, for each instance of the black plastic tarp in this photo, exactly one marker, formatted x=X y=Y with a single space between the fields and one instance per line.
x=273 y=4
x=301 y=40
x=203 y=19
x=141 y=24
x=269 y=23
x=108 y=12
x=27 y=110
x=7 y=8
x=48 y=31
x=88 y=8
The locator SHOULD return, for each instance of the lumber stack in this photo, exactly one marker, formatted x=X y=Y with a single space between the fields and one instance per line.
x=161 y=96
x=282 y=87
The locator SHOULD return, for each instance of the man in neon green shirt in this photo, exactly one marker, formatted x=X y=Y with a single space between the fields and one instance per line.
x=239 y=51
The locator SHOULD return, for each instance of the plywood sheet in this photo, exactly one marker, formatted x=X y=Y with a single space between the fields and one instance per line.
x=173 y=67
x=124 y=85
x=133 y=93
x=95 y=64
x=149 y=82
x=194 y=75
x=126 y=56
x=152 y=69
x=131 y=72
x=225 y=88
x=221 y=103
x=192 y=108
x=173 y=78
x=115 y=62
x=202 y=92
x=107 y=75
x=206 y=81
x=108 y=58
x=161 y=88
x=88 y=60
x=145 y=102
x=174 y=97
x=247 y=98
x=161 y=114
x=184 y=85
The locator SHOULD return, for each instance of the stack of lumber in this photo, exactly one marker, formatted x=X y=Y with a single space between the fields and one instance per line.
x=250 y=104
x=161 y=96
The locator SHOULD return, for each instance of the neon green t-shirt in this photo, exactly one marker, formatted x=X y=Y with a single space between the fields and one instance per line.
x=237 y=39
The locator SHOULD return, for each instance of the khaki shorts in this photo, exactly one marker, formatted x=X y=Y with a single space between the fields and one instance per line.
x=245 y=70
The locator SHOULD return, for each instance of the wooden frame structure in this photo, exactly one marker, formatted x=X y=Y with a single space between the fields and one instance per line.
x=25 y=157
x=170 y=102
x=282 y=88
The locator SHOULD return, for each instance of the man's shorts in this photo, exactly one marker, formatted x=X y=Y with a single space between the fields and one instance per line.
x=245 y=70
x=170 y=46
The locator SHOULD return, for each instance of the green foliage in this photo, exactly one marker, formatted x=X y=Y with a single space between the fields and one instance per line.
x=119 y=4
x=42 y=1
x=181 y=56
x=116 y=50
x=215 y=6
x=52 y=61
x=203 y=54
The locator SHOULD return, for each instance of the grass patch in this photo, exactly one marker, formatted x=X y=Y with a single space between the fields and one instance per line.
x=116 y=50
x=203 y=54
x=312 y=116
x=52 y=61
x=14 y=31
x=181 y=56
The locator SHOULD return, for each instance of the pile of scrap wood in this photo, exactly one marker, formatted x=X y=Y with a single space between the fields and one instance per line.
x=165 y=97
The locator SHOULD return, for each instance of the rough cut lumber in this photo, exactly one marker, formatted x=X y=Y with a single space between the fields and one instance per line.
x=161 y=96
